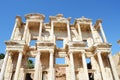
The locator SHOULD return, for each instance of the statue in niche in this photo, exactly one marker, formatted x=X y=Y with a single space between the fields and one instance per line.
x=89 y=42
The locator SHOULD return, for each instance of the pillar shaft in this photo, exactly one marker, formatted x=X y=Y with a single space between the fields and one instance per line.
x=68 y=30
x=52 y=29
x=38 y=68
x=13 y=33
x=101 y=66
x=72 y=66
x=18 y=66
x=103 y=34
x=85 y=66
x=4 y=66
x=40 y=31
x=25 y=31
x=92 y=31
x=67 y=68
x=115 y=74
x=51 y=67
x=9 y=68
x=79 y=31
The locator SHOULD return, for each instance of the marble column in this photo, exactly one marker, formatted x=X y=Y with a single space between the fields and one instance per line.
x=38 y=68
x=85 y=65
x=51 y=67
x=79 y=31
x=18 y=66
x=52 y=28
x=25 y=31
x=92 y=31
x=4 y=66
x=68 y=30
x=72 y=66
x=103 y=34
x=22 y=74
x=67 y=68
x=115 y=74
x=101 y=66
x=13 y=33
x=40 y=31
x=9 y=68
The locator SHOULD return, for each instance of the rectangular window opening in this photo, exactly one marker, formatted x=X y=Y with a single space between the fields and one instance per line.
x=59 y=43
x=31 y=63
x=85 y=41
x=32 y=42
x=88 y=60
x=60 y=60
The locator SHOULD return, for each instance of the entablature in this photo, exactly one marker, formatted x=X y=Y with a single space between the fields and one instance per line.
x=15 y=45
x=59 y=18
x=33 y=16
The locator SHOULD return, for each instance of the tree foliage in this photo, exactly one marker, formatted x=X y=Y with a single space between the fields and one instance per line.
x=2 y=55
x=30 y=64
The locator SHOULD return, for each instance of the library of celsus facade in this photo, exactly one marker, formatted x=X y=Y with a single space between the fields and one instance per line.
x=82 y=46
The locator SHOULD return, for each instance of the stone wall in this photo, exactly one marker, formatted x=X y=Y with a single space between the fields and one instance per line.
x=116 y=59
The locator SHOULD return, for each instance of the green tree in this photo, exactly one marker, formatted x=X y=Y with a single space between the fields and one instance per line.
x=2 y=55
x=30 y=64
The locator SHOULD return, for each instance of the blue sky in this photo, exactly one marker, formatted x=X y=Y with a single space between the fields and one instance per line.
x=107 y=10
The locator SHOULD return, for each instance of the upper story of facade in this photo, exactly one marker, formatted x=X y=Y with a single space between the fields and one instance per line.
x=58 y=28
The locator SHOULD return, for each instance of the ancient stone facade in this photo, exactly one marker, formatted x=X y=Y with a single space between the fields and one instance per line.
x=86 y=52
x=116 y=59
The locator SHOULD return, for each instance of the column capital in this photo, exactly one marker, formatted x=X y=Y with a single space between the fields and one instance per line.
x=67 y=22
x=82 y=51
x=109 y=54
x=78 y=23
x=39 y=52
x=21 y=52
x=51 y=51
x=70 y=52
x=41 y=21
x=98 y=51
x=9 y=52
x=52 y=22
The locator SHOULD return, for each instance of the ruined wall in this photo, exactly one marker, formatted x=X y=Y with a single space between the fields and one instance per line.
x=116 y=59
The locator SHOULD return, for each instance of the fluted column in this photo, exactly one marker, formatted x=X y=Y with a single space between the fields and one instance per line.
x=51 y=67
x=25 y=31
x=103 y=34
x=38 y=68
x=4 y=66
x=40 y=31
x=18 y=65
x=68 y=30
x=101 y=66
x=92 y=31
x=67 y=68
x=52 y=29
x=79 y=31
x=9 y=68
x=115 y=74
x=13 y=33
x=85 y=65
x=72 y=66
